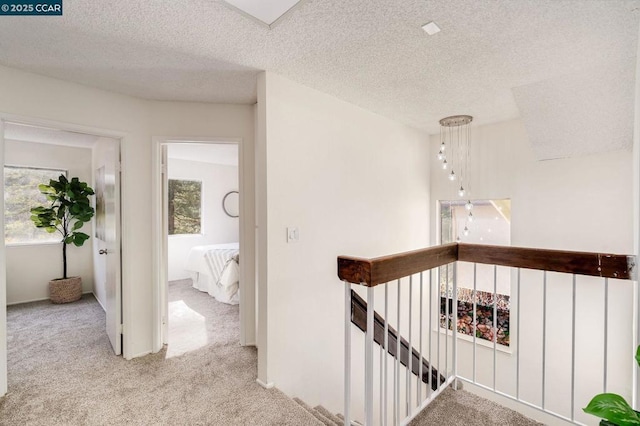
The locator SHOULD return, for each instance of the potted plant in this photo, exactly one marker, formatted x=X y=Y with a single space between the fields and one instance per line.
x=69 y=208
x=613 y=408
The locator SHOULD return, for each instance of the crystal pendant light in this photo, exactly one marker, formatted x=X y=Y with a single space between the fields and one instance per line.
x=469 y=205
x=465 y=231
x=455 y=137
x=470 y=217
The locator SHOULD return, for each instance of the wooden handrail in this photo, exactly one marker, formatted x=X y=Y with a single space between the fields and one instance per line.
x=380 y=270
x=573 y=262
x=372 y=272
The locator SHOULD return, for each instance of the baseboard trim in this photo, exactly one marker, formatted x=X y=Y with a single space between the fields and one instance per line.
x=265 y=385
x=41 y=299
x=139 y=355
x=99 y=302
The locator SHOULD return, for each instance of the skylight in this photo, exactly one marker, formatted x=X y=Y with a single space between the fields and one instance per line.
x=267 y=12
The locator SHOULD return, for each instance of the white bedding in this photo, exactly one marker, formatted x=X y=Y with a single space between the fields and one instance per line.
x=215 y=270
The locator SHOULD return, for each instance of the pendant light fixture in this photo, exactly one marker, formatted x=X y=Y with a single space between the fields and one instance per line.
x=455 y=136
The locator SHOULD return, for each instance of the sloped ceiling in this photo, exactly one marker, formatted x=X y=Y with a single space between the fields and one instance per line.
x=493 y=59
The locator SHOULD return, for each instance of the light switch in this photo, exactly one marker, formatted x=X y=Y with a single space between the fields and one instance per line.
x=293 y=234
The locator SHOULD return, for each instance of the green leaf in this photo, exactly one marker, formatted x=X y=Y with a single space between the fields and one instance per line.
x=79 y=238
x=638 y=355
x=78 y=225
x=613 y=408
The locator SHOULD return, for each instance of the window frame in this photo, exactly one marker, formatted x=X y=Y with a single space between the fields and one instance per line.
x=201 y=233
x=442 y=271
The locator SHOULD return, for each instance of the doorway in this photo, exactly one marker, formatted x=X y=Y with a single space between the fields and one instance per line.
x=52 y=147
x=201 y=212
x=215 y=259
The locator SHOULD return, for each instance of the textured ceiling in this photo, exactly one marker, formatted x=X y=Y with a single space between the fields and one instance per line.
x=493 y=59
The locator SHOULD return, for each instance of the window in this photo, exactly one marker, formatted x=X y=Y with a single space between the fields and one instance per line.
x=184 y=206
x=490 y=224
x=21 y=193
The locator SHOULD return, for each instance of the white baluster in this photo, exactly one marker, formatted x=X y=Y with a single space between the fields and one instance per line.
x=419 y=381
x=495 y=324
x=368 y=360
x=518 y=340
x=544 y=335
x=386 y=349
x=606 y=334
x=430 y=380
x=396 y=374
x=454 y=348
x=475 y=319
x=573 y=347
x=347 y=354
x=410 y=355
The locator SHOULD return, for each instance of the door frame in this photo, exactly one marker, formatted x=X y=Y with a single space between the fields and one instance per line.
x=123 y=139
x=159 y=240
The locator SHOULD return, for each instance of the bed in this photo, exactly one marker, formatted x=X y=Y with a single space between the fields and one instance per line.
x=215 y=270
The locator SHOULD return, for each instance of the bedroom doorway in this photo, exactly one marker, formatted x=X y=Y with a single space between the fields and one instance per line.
x=34 y=151
x=200 y=274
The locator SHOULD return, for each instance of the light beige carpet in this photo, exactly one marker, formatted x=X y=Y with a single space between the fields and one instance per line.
x=62 y=371
x=461 y=408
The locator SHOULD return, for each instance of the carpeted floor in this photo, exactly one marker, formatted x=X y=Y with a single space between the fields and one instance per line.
x=461 y=408
x=62 y=371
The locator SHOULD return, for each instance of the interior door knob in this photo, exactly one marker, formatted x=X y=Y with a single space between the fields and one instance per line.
x=102 y=251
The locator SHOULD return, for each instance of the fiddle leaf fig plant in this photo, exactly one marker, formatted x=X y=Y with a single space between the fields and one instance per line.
x=613 y=408
x=69 y=208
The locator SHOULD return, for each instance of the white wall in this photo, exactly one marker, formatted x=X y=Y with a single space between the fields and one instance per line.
x=43 y=98
x=205 y=121
x=354 y=183
x=583 y=204
x=217 y=227
x=25 y=281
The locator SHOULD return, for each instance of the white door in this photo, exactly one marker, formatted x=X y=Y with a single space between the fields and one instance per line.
x=107 y=187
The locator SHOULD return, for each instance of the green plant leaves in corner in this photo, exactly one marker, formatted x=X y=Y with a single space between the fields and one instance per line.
x=638 y=355
x=613 y=408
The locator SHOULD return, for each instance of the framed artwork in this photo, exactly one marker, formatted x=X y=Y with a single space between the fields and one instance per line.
x=484 y=310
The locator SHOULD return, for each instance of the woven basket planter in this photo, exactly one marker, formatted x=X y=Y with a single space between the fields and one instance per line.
x=65 y=290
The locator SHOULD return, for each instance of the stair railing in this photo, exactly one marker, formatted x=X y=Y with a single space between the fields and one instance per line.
x=431 y=275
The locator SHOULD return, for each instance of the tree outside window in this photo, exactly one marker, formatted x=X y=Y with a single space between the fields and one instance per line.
x=185 y=206
x=21 y=193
